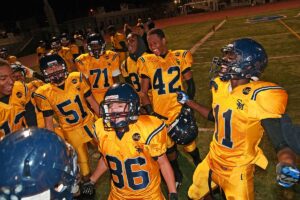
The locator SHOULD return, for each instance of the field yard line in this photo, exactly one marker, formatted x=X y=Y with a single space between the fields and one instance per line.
x=290 y=29
x=206 y=37
x=280 y=57
x=206 y=129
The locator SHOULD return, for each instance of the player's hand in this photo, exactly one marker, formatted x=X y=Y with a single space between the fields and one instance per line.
x=88 y=188
x=173 y=196
x=182 y=97
x=287 y=175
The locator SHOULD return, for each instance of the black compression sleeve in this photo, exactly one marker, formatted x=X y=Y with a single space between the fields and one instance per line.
x=191 y=90
x=210 y=116
x=30 y=115
x=273 y=128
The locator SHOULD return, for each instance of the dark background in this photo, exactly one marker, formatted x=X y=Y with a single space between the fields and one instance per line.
x=63 y=9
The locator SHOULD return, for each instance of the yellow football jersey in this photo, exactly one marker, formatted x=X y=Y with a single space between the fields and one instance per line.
x=41 y=51
x=238 y=114
x=130 y=69
x=66 y=54
x=99 y=72
x=135 y=174
x=166 y=78
x=12 y=114
x=11 y=118
x=68 y=104
x=115 y=40
x=74 y=49
x=32 y=87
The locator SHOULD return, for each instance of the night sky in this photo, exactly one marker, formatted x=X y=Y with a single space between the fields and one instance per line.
x=64 y=10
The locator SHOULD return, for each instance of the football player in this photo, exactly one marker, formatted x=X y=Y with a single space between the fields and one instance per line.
x=118 y=41
x=133 y=148
x=33 y=116
x=67 y=96
x=66 y=41
x=37 y=164
x=41 y=49
x=129 y=70
x=100 y=66
x=12 y=100
x=166 y=71
x=242 y=108
x=64 y=52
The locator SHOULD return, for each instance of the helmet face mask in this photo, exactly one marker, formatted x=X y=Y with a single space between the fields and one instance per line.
x=120 y=107
x=64 y=41
x=55 y=73
x=53 y=69
x=96 y=45
x=3 y=53
x=19 y=72
x=243 y=59
x=55 y=44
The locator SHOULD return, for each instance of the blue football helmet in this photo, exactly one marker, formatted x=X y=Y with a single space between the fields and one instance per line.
x=55 y=44
x=242 y=59
x=184 y=129
x=96 y=45
x=53 y=61
x=120 y=93
x=3 y=53
x=37 y=163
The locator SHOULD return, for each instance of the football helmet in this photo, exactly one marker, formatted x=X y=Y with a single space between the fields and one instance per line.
x=3 y=53
x=64 y=39
x=55 y=44
x=37 y=164
x=96 y=45
x=184 y=129
x=42 y=43
x=242 y=59
x=53 y=68
x=18 y=67
x=120 y=93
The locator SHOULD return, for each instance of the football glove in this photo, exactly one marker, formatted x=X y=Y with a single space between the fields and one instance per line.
x=173 y=196
x=287 y=175
x=88 y=188
x=182 y=97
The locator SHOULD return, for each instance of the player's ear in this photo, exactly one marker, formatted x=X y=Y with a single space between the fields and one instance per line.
x=164 y=41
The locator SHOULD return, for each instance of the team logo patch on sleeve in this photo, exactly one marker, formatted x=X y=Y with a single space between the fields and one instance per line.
x=246 y=90
x=19 y=95
x=74 y=81
x=136 y=137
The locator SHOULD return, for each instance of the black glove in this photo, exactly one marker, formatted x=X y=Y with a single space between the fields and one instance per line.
x=173 y=196
x=88 y=188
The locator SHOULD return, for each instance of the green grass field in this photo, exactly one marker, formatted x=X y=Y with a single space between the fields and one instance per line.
x=283 y=49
